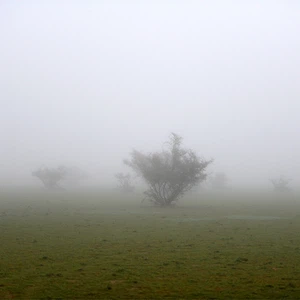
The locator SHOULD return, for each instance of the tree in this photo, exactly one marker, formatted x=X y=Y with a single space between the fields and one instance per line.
x=169 y=174
x=281 y=184
x=72 y=176
x=219 y=181
x=54 y=178
x=50 y=177
x=124 y=181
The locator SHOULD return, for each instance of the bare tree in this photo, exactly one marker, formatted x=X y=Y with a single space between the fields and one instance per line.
x=169 y=174
x=50 y=177
x=124 y=182
x=281 y=184
x=219 y=181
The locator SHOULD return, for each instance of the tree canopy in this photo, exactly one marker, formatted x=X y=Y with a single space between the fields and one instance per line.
x=50 y=177
x=170 y=173
x=55 y=178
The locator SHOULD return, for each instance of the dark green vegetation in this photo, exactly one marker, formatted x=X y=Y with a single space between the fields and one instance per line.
x=107 y=246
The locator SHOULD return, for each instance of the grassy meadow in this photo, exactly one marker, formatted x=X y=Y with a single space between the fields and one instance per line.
x=104 y=245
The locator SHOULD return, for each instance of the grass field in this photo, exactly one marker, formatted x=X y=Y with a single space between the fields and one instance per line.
x=107 y=246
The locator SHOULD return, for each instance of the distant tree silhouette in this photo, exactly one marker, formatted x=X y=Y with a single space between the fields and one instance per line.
x=50 y=177
x=55 y=178
x=281 y=184
x=73 y=176
x=219 y=181
x=124 y=182
x=169 y=174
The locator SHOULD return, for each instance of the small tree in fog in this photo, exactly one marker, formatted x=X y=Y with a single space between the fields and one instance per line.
x=169 y=174
x=72 y=176
x=58 y=177
x=281 y=184
x=50 y=177
x=219 y=181
x=124 y=182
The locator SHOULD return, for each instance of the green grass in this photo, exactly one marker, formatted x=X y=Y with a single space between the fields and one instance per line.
x=107 y=246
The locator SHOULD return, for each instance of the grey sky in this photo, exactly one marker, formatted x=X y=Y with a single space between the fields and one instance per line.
x=84 y=82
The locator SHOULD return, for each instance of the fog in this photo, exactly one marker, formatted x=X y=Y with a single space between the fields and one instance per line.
x=84 y=82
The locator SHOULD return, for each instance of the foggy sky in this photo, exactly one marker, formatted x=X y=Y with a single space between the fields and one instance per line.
x=84 y=82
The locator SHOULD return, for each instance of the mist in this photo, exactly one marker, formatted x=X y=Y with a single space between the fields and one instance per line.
x=84 y=83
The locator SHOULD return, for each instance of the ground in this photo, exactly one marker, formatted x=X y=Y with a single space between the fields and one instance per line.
x=103 y=245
